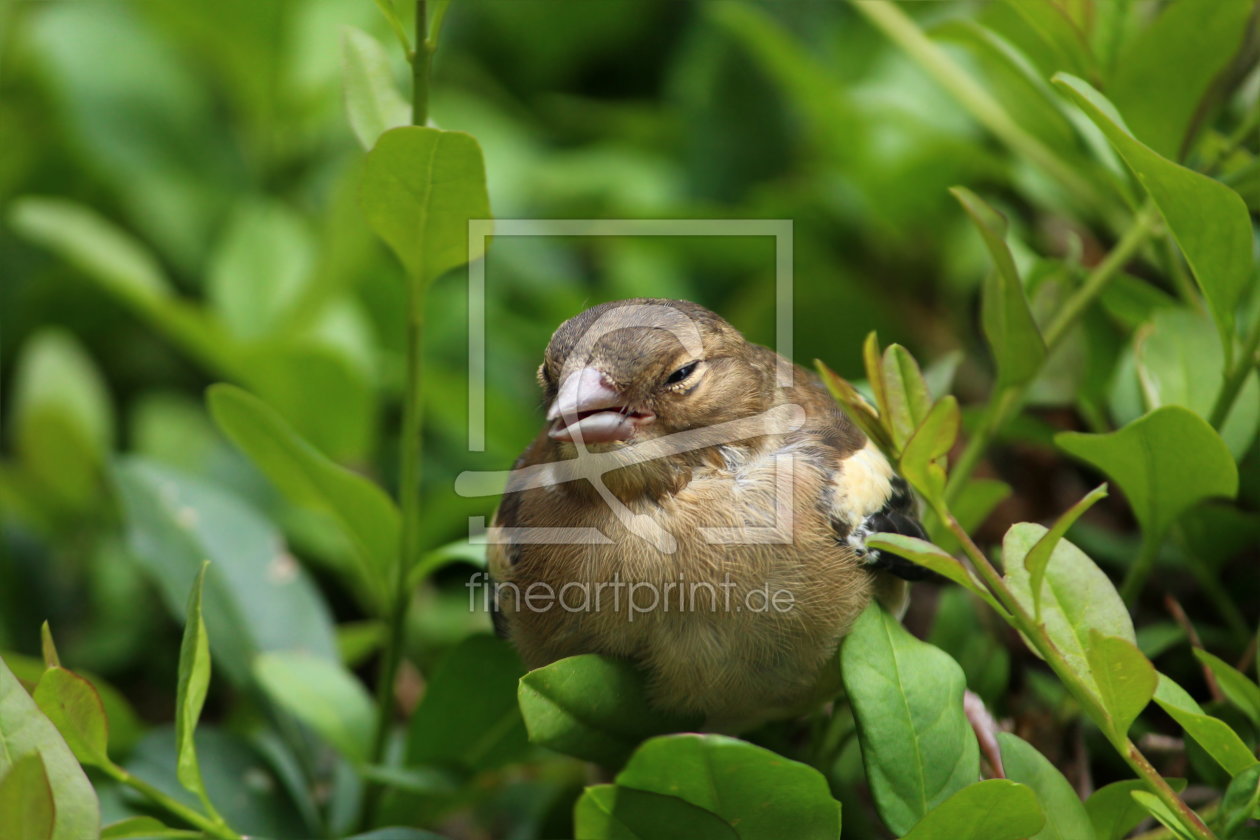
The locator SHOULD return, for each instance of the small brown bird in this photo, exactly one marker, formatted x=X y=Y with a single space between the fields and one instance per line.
x=698 y=505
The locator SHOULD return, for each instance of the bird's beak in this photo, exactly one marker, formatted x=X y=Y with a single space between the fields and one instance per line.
x=589 y=409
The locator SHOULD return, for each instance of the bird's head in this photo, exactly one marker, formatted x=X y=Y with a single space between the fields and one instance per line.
x=645 y=368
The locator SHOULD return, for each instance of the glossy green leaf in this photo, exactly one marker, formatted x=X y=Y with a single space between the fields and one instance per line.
x=1113 y=811
x=917 y=746
x=1125 y=679
x=1077 y=598
x=1241 y=801
x=757 y=792
x=1234 y=684
x=1065 y=814
x=922 y=458
x=1209 y=220
x=373 y=103
x=1166 y=462
x=322 y=694
x=1036 y=559
x=592 y=707
x=27 y=811
x=1179 y=54
x=25 y=731
x=1179 y=361
x=74 y=707
x=1008 y=322
x=929 y=556
x=144 y=828
x=420 y=189
x=1213 y=734
x=361 y=509
x=256 y=599
x=191 y=688
x=995 y=809
x=906 y=401
x=611 y=812
x=63 y=423
x=1167 y=817
x=469 y=716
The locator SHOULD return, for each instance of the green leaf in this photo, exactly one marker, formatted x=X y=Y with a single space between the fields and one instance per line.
x=1056 y=29
x=322 y=694
x=1125 y=679
x=929 y=556
x=365 y=514
x=610 y=812
x=855 y=406
x=257 y=599
x=1113 y=811
x=906 y=401
x=923 y=456
x=1179 y=361
x=1209 y=220
x=1008 y=322
x=397 y=834
x=373 y=103
x=1166 y=462
x=421 y=187
x=63 y=423
x=1036 y=559
x=1211 y=733
x=25 y=731
x=592 y=707
x=917 y=746
x=48 y=647
x=469 y=716
x=1180 y=54
x=1241 y=801
x=1234 y=684
x=190 y=690
x=1065 y=815
x=757 y=792
x=996 y=809
x=1076 y=596
x=1167 y=817
x=26 y=801
x=143 y=828
x=74 y=707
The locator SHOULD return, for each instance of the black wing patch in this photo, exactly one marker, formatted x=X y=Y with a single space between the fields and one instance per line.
x=895 y=517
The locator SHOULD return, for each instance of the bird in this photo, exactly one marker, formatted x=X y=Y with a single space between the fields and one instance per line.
x=697 y=505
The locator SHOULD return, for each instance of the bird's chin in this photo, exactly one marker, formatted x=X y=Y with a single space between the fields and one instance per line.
x=599 y=427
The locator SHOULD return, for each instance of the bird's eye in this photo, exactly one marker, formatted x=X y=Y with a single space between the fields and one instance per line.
x=682 y=373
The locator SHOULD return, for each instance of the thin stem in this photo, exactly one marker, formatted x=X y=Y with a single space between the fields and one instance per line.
x=179 y=809
x=1002 y=404
x=1237 y=376
x=409 y=459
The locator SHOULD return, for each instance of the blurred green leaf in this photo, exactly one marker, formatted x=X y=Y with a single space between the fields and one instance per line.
x=74 y=707
x=922 y=457
x=929 y=556
x=259 y=268
x=1036 y=559
x=257 y=597
x=1166 y=462
x=24 y=731
x=757 y=792
x=362 y=510
x=1241 y=801
x=592 y=707
x=1234 y=684
x=62 y=421
x=143 y=828
x=1008 y=322
x=322 y=694
x=1179 y=54
x=1125 y=678
x=1113 y=811
x=421 y=187
x=190 y=690
x=397 y=834
x=26 y=801
x=917 y=746
x=469 y=716
x=373 y=103
x=1211 y=733
x=905 y=393
x=1207 y=218
x=611 y=812
x=1055 y=27
x=1065 y=815
x=995 y=809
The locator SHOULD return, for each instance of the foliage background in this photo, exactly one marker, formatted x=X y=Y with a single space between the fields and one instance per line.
x=212 y=140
